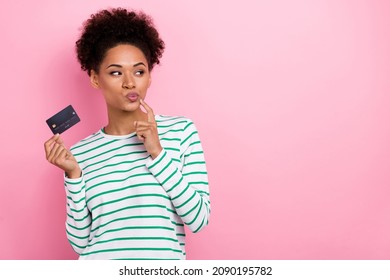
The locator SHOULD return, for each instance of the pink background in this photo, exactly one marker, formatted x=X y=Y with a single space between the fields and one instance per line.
x=291 y=99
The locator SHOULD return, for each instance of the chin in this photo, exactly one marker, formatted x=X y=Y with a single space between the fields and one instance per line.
x=132 y=106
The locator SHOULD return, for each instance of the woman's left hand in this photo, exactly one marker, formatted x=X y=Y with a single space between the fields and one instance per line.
x=147 y=132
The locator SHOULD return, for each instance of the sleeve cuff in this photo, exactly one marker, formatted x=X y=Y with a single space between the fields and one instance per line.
x=75 y=184
x=157 y=164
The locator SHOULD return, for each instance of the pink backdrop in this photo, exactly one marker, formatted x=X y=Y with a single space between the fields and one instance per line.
x=291 y=99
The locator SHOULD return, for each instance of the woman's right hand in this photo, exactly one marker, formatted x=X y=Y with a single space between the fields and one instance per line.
x=58 y=155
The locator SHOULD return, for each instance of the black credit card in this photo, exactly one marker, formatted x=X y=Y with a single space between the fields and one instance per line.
x=63 y=120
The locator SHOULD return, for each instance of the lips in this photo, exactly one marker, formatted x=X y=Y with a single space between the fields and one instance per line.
x=132 y=96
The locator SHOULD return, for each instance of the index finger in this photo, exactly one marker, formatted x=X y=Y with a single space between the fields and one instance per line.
x=149 y=111
x=49 y=142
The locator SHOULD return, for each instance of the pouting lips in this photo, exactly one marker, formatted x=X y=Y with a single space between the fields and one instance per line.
x=132 y=96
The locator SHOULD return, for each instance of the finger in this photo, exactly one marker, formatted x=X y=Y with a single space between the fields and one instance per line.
x=60 y=149
x=48 y=144
x=142 y=124
x=53 y=152
x=140 y=136
x=60 y=157
x=149 y=111
x=59 y=140
x=143 y=128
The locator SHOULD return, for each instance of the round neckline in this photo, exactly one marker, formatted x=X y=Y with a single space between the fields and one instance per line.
x=119 y=137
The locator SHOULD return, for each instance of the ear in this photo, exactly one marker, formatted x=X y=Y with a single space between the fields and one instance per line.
x=94 y=79
x=150 y=81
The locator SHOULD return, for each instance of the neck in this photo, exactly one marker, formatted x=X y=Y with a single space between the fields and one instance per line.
x=122 y=122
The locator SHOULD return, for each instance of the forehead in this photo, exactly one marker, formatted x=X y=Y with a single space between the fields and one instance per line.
x=124 y=54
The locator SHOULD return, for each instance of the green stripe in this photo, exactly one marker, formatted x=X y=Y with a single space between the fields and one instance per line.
x=174 y=186
x=130 y=218
x=134 y=227
x=190 y=123
x=78 y=227
x=122 y=189
x=117 y=155
x=181 y=205
x=172 y=149
x=127 y=197
x=73 y=183
x=185 y=140
x=95 y=148
x=78 y=237
x=77 y=211
x=169 y=177
x=191 y=210
x=85 y=144
x=171 y=130
x=200 y=226
x=154 y=164
x=177 y=224
x=72 y=192
x=127 y=208
x=159 y=173
x=197 y=214
x=170 y=139
x=172 y=124
x=199 y=183
x=74 y=244
x=75 y=202
x=194 y=153
x=200 y=191
x=183 y=191
x=168 y=118
x=116 y=164
x=193 y=173
x=194 y=162
x=116 y=181
x=105 y=152
x=130 y=249
x=116 y=171
x=194 y=143
x=133 y=238
x=77 y=220
x=90 y=137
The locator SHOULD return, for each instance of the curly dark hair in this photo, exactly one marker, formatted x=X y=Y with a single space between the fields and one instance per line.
x=109 y=28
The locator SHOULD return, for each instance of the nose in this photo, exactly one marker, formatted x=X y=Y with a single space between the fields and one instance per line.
x=128 y=82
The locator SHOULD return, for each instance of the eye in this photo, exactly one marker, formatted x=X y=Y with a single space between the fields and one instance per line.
x=139 y=72
x=115 y=73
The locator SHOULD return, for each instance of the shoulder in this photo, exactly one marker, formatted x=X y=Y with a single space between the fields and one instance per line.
x=180 y=123
x=87 y=142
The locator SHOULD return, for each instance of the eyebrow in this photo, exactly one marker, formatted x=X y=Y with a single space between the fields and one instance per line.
x=120 y=66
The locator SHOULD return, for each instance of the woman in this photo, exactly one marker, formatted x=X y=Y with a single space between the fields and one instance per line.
x=133 y=185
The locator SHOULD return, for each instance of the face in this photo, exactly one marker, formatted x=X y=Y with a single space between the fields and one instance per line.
x=123 y=78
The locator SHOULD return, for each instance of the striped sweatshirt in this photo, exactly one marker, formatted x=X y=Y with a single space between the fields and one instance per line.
x=127 y=205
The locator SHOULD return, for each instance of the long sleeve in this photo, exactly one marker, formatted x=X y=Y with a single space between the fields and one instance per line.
x=78 y=220
x=187 y=186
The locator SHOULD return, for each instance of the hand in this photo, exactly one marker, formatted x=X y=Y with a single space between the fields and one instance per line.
x=58 y=155
x=147 y=132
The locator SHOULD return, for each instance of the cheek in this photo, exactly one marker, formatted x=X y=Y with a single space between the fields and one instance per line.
x=112 y=84
x=146 y=83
